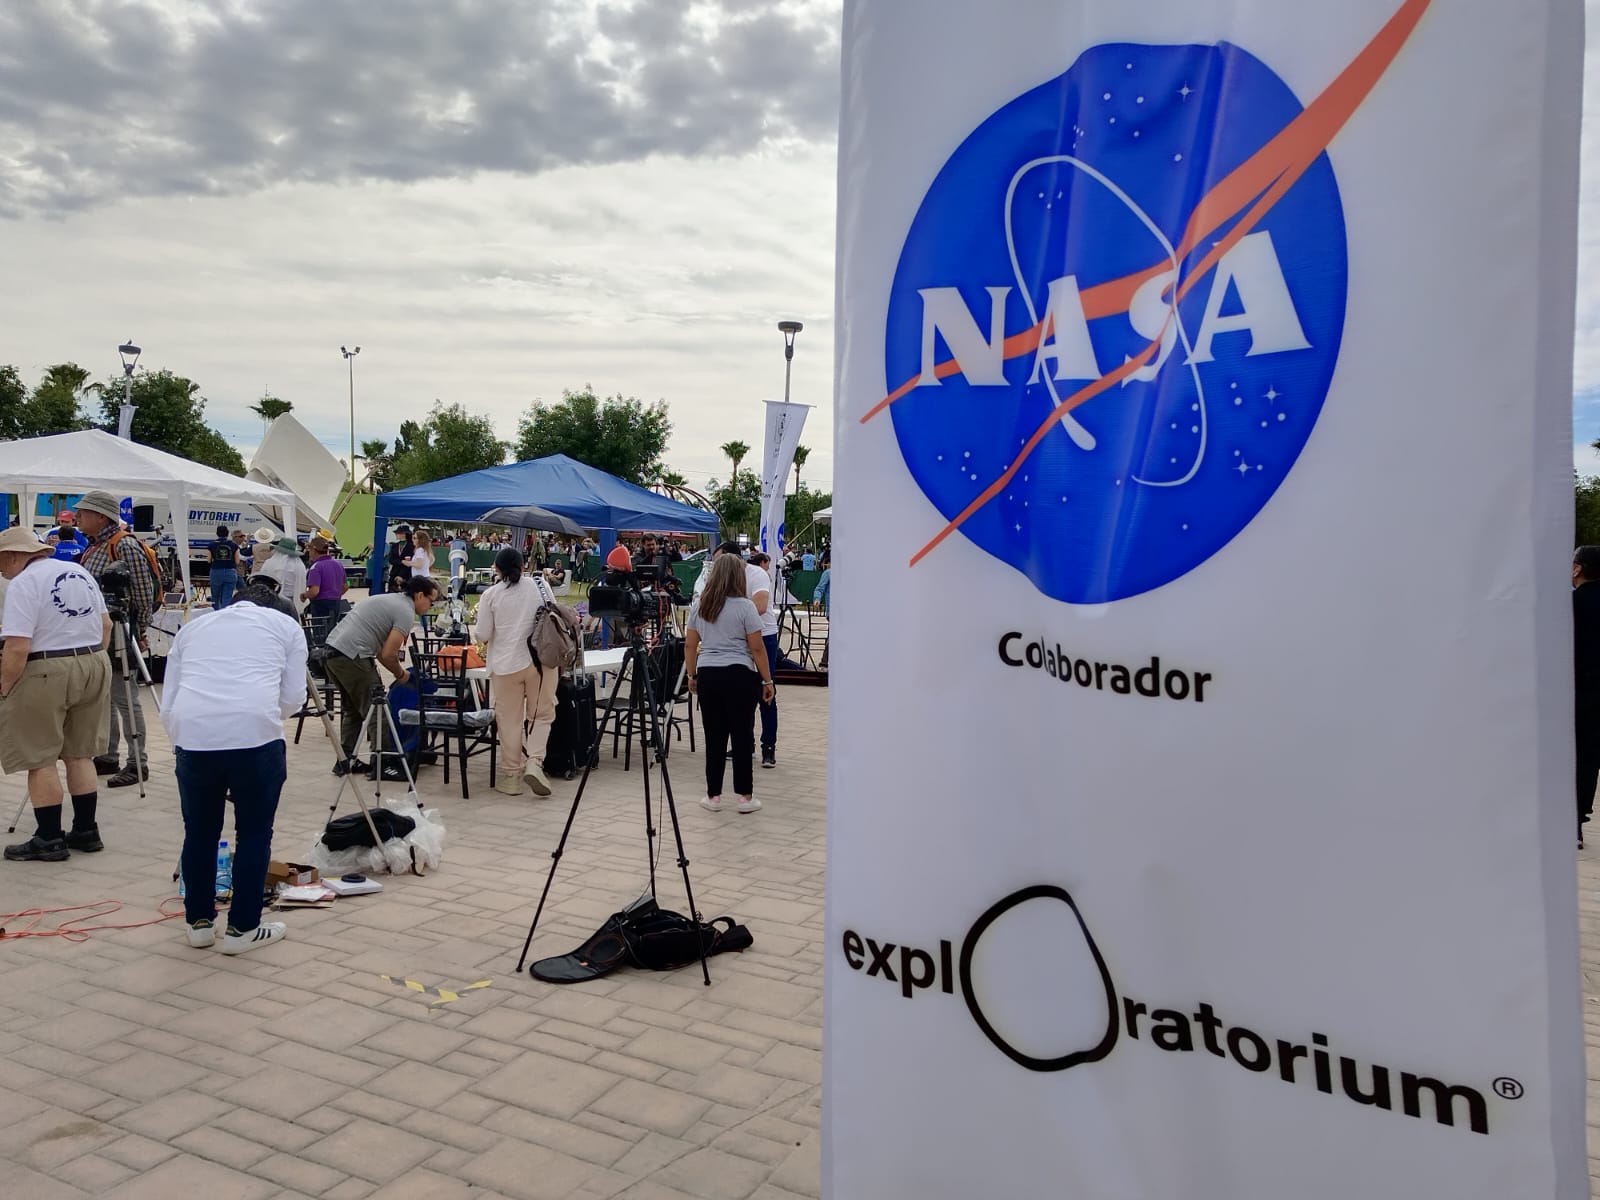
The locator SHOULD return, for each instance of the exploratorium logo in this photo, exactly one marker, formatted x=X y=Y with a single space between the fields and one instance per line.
x=1118 y=311
x=1028 y=926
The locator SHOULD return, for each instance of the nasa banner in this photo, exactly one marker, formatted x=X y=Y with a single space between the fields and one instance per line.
x=1201 y=819
x=784 y=423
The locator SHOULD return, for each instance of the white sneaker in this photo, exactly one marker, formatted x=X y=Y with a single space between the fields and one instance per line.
x=509 y=784
x=537 y=780
x=749 y=804
x=711 y=803
x=202 y=934
x=262 y=935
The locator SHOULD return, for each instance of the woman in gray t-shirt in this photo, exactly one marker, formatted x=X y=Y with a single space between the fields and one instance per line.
x=727 y=666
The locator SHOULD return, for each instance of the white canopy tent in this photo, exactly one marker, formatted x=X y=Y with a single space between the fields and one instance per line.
x=823 y=516
x=91 y=459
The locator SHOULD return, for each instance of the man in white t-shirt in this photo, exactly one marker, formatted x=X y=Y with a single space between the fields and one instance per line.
x=55 y=697
x=758 y=583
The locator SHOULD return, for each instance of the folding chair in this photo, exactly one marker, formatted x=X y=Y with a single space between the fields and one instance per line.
x=450 y=712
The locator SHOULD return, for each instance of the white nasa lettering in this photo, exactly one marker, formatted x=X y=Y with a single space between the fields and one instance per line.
x=1267 y=313
x=982 y=362
x=1068 y=330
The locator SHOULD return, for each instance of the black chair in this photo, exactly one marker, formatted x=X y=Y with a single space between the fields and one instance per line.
x=317 y=630
x=448 y=710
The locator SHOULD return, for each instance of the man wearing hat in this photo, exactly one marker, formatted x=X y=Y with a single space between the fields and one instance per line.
x=54 y=684
x=284 y=566
x=100 y=520
x=401 y=551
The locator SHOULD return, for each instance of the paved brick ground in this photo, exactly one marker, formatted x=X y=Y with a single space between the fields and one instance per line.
x=133 y=1067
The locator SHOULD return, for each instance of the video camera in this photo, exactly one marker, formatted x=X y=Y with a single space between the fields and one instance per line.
x=637 y=595
x=116 y=584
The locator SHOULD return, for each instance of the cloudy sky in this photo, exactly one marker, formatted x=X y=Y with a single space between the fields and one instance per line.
x=496 y=199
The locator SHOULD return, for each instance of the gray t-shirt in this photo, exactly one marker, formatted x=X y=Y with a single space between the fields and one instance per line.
x=362 y=633
x=722 y=642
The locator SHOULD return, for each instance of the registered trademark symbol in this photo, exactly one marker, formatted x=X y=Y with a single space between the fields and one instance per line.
x=1507 y=1088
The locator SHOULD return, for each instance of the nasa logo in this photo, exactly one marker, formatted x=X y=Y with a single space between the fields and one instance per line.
x=1117 y=315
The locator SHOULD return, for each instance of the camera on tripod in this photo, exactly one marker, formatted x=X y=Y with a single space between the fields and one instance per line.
x=116 y=584
x=624 y=600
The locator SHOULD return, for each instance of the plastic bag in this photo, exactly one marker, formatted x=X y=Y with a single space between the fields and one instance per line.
x=420 y=850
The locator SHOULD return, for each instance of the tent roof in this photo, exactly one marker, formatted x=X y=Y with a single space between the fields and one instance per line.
x=587 y=494
x=92 y=458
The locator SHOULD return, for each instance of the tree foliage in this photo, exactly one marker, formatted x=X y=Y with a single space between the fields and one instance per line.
x=171 y=415
x=270 y=408
x=736 y=452
x=450 y=442
x=801 y=453
x=738 y=503
x=621 y=435
x=52 y=407
x=1587 y=489
x=380 y=463
x=798 y=518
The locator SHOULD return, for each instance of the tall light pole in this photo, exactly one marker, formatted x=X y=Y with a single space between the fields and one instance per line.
x=350 y=361
x=130 y=359
x=788 y=329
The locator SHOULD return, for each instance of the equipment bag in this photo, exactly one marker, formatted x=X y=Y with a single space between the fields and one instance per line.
x=149 y=557
x=572 y=733
x=351 y=830
x=556 y=640
x=647 y=936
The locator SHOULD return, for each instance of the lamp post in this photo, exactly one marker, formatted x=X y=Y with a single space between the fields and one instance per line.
x=788 y=329
x=130 y=359
x=350 y=361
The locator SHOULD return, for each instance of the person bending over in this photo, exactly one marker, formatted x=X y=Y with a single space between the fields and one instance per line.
x=372 y=632
x=232 y=677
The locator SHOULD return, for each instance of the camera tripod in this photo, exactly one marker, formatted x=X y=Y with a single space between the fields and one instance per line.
x=348 y=780
x=642 y=710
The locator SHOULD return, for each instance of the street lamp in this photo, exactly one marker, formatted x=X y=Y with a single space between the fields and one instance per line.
x=350 y=361
x=788 y=329
x=130 y=359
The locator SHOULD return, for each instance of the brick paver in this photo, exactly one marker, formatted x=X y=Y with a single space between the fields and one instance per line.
x=134 y=1066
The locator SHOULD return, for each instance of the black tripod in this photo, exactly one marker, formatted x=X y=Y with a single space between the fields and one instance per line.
x=643 y=712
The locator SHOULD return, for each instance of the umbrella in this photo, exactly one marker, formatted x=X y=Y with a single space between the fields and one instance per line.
x=531 y=516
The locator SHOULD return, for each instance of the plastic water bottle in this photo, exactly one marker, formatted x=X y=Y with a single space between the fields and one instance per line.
x=224 y=871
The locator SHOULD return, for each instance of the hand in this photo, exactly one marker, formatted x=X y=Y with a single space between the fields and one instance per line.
x=768 y=686
x=694 y=686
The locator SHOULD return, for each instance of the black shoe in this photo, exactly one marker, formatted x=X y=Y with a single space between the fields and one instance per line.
x=769 y=756
x=347 y=765
x=105 y=764
x=86 y=840
x=128 y=776
x=37 y=849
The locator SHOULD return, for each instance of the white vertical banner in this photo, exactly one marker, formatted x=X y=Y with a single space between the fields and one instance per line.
x=125 y=420
x=1201 y=824
x=784 y=423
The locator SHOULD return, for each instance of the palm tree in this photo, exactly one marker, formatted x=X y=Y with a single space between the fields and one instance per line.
x=269 y=408
x=736 y=451
x=801 y=453
x=672 y=479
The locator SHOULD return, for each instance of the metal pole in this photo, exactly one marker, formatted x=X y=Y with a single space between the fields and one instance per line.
x=350 y=361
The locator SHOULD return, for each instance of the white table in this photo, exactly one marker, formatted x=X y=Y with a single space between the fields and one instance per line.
x=596 y=662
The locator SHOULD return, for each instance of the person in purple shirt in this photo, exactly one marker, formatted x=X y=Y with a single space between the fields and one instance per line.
x=324 y=580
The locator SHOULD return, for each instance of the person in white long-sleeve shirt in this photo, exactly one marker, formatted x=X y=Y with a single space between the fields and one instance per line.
x=524 y=694
x=232 y=677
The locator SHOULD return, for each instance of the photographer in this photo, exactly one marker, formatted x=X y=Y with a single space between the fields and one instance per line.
x=110 y=545
x=372 y=632
x=53 y=681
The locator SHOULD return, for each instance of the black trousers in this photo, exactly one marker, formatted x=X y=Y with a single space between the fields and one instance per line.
x=1588 y=776
x=728 y=699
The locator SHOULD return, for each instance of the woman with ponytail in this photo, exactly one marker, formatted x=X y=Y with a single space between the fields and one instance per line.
x=523 y=694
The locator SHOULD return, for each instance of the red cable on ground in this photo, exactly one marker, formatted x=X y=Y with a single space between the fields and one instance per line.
x=74 y=929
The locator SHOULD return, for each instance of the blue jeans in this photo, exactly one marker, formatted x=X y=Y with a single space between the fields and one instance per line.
x=255 y=778
x=769 y=712
x=823 y=585
x=223 y=580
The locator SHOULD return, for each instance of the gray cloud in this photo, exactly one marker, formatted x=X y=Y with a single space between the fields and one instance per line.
x=101 y=99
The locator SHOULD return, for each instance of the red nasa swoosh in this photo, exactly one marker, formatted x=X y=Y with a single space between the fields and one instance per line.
x=1264 y=178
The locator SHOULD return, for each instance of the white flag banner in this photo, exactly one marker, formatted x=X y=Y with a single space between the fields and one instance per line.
x=784 y=423
x=1202 y=823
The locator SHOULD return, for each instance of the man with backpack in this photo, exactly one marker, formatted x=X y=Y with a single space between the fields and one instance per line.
x=100 y=519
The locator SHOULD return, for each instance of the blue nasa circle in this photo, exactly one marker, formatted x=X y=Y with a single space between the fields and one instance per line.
x=1094 y=176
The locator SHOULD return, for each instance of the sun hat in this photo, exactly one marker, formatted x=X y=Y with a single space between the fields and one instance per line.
x=286 y=545
x=103 y=503
x=266 y=536
x=18 y=540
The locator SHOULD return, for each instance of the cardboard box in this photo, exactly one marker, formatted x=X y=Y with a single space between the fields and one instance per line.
x=293 y=874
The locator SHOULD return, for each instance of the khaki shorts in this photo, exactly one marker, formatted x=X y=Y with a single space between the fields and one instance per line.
x=56 y=711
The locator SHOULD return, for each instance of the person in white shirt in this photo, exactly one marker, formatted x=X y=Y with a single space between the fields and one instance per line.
x=55 y=697
x=524 y=693
x=232 y=677
x=758 y=582
x=286 y=568
x=422 y=556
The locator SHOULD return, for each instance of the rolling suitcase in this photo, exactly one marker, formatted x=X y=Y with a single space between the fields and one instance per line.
x=573 y=734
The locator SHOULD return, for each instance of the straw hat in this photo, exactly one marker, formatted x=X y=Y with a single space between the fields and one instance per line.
x=265 y=536
x=18 y=540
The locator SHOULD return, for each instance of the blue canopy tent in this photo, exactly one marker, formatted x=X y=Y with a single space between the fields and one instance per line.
x=586 y=494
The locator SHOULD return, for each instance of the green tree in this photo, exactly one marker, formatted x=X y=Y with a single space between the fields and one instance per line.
x=801 y=453
x=622 y=435
x=380 y=463
x=269 y=408
x=54 y=406
x=1587 y=489
x=13 y=402
x=450 y=442
x=738 y=503
x=170 y=416
x=736 y=452
x=669 y=478
x=798 y=511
